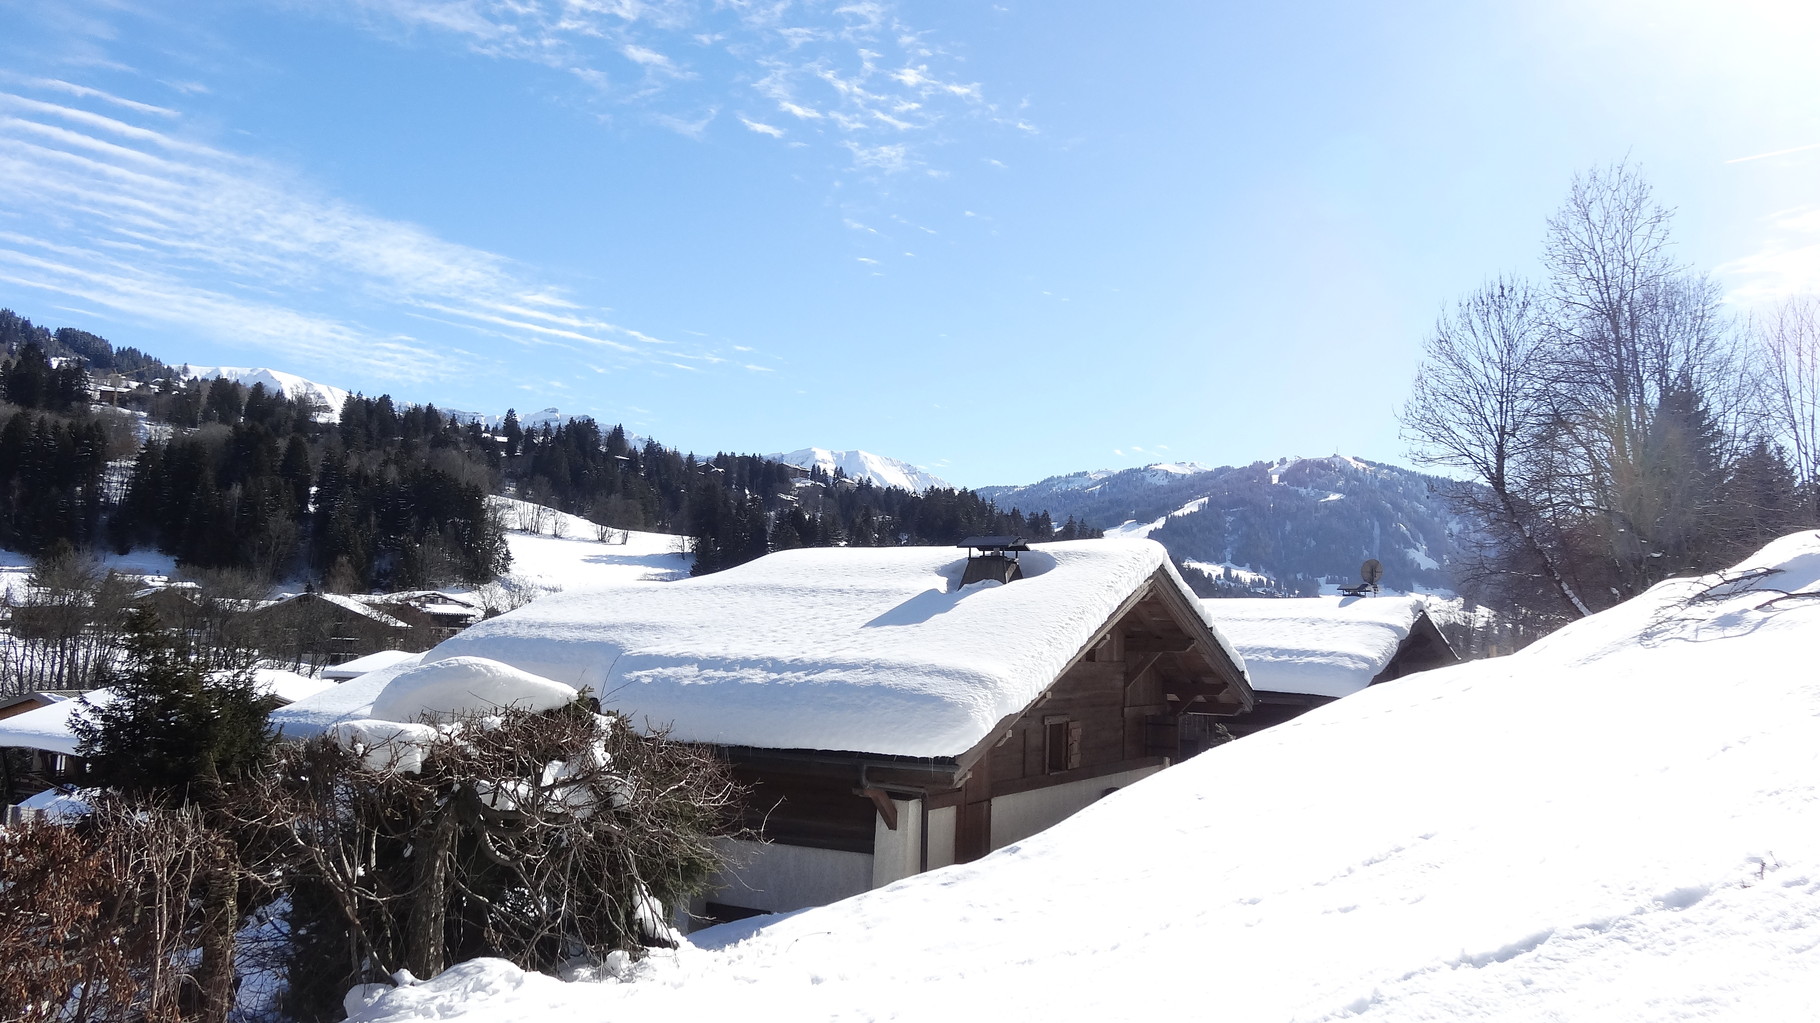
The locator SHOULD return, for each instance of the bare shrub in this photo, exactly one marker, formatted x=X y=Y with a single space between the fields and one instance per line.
x=546 y=839
x=116 y=917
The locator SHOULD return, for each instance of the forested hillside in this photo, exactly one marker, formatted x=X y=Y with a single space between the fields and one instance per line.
x=380 y=495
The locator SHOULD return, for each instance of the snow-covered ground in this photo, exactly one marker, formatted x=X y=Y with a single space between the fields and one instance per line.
x=1620 y=823
x=1134 y=529
x=577 y=560
x=16 y=568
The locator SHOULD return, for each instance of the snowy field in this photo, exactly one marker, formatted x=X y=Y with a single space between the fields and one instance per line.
x=1620 y=823
x=15 y=568
x=541 y=562
x=576 y=560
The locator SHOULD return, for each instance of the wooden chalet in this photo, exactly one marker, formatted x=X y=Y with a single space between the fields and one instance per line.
x=316 y=629
x=895 y=710
x=1305 y=652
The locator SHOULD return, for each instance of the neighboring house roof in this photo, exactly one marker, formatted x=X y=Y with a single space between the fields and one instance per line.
x=49 y=727
x=372 y=662
x=20 y=704
x=1317 y=646
x=875 y=650
x=345 y=602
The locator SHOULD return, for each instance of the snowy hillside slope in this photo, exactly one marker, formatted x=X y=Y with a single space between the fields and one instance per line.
x=1620 y=823
x=326 y=396
x=553 y=550
x=881 y=470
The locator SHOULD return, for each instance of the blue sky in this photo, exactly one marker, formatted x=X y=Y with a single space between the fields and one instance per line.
x=1001 y=240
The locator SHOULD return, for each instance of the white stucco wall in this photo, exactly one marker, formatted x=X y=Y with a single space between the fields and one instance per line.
x=1017 y=817
x=898 y=854
x=941 y=836
x=778 y=878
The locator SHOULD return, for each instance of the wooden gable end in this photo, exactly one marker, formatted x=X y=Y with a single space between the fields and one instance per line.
x=1424 y=648
x=1117 y=705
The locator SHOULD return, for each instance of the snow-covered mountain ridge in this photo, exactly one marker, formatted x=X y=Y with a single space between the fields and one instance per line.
x=326 y=397
x=1291 y=521
x=882 y=470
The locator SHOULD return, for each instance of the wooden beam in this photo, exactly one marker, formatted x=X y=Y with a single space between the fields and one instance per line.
x=1132 y=675
x=887 y=810
x=1158 y=644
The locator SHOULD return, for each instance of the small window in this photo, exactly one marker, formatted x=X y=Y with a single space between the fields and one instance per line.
x=1061 y=744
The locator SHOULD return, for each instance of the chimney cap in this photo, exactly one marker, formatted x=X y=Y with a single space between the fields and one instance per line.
x=995 y=544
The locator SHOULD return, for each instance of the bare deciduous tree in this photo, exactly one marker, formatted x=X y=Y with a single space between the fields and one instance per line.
x=1790 y=338
x=1606 y=414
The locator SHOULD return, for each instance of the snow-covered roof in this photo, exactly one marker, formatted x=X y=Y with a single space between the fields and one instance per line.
x=354 y=604
x=371 y=662
x=1318 y=646
x=873 y=650
x=49 y=727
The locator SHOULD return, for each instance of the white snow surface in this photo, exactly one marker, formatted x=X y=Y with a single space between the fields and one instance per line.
x=882 y=470
x=371 y=662
x=865 y=649
x=453 y=686
x=542 y=562
x=1621 y=823
x=290 y=384
x=49 y=727
x=16 y=569
x=1320 y=646
x=1133 y=529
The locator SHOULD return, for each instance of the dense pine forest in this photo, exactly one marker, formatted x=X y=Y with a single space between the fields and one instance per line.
x=104 y=446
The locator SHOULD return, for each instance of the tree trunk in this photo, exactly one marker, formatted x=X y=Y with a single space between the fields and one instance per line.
x=426 y=928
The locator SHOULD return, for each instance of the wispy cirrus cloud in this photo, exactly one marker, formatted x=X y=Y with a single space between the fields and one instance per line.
x=140 y=219
x=855 y=70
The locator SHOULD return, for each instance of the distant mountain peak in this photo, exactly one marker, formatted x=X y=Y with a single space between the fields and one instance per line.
x=882 y=470
x=292 y=386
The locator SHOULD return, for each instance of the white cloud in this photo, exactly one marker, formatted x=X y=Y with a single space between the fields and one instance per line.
x=694 y=129
x=647 y=57
x=166 y=229
x=797 y=110
x=891 y=158
x=830 y=63
x=762 y=128
x=868 y=260
x=1788 y=261
x=1779 y=152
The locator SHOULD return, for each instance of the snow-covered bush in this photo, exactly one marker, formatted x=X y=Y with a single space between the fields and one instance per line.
x=544 y=838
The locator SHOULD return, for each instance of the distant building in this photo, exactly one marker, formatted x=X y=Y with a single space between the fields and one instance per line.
x=1302 y=652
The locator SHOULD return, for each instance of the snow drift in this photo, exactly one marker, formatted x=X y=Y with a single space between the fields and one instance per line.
x=1620 y=823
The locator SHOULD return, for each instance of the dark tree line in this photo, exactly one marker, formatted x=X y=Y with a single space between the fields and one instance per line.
x=389 y=496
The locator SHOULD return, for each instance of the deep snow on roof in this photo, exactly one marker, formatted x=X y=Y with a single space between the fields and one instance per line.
x=371 y=662
x=874 y=650
x=1620 y=823
x=49 y=727
x=1320 y=646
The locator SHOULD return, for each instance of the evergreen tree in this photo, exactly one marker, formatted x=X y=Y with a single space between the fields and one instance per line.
x=175 y=728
